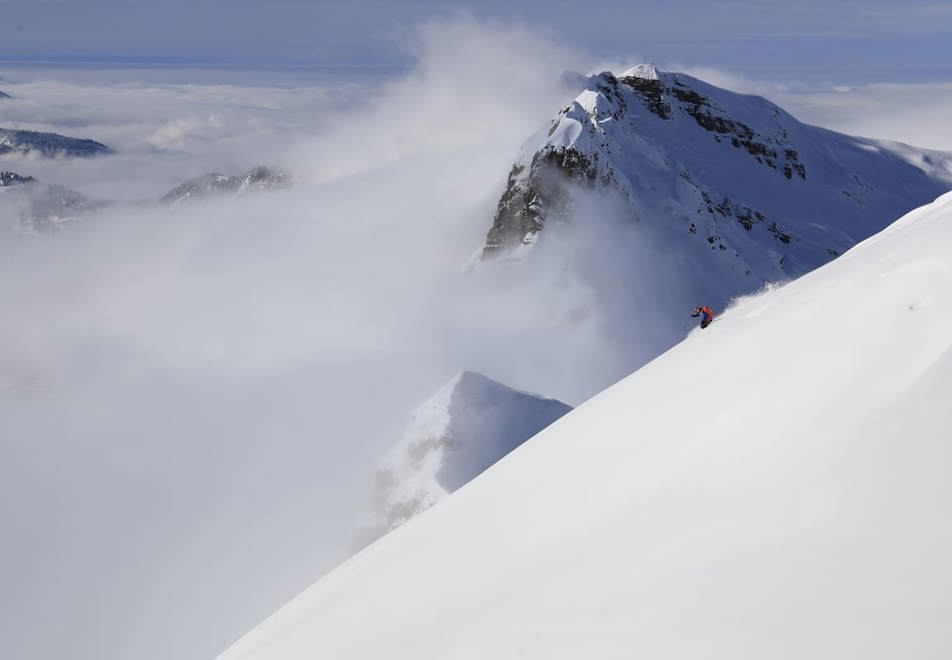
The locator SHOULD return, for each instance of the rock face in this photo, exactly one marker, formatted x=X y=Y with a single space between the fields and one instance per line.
x=469 y=424
x=258 y=179
x=49 y=144
x=734 y=176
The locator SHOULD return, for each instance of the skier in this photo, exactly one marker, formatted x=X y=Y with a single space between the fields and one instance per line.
x=705 y=313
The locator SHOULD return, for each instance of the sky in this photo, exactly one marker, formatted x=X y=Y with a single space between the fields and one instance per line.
x=184 y=394
x=850 y=41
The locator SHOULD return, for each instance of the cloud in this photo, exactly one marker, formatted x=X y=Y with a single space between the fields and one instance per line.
x=903 y=111
x=167 y=130
x=193 y=398
x=178 y=132
x=914 y=113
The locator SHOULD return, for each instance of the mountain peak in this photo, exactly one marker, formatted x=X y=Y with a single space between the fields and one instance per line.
x=730 y=179
x=644 y=71
x=466 y=426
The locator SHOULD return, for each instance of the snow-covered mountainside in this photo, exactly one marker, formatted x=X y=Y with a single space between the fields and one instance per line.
x=258 y=179
x=468 y=425
x=49 y=144
x=774 y=486
x=39 y=206
x=4 y=95
x=726 y=180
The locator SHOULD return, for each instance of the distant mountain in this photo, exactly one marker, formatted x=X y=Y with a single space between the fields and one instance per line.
x=44 y=207
x=9 y=179
x=4 y=95
x=258 y=179
x=729 y=182
x=464 y=428
x=49 y=144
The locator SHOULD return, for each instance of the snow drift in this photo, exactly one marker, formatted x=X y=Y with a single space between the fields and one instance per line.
x=775 y=486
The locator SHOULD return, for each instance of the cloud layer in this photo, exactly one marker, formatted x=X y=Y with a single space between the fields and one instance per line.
x=193 y=398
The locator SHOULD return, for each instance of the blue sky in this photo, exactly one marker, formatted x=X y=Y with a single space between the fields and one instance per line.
x=851 y=42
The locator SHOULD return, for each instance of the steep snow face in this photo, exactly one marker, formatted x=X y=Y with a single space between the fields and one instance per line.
x=49 y=144
x=724 y=180
x=469 y=424
x=774 y=486
x=258 y=179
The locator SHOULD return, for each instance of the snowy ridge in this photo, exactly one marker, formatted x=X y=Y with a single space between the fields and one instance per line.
x=466 y=426
x=49 y=144
x=776 y=484
x=727 y=180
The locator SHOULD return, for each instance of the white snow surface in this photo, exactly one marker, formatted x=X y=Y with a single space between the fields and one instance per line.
x=466 y=426
x=775 y=486
x=646 y=71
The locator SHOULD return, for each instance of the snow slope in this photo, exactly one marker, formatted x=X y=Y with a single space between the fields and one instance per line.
x=773 y=487
x=466 y=426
